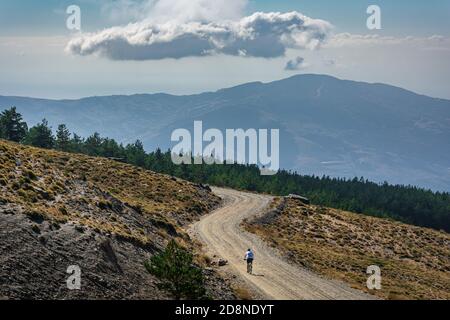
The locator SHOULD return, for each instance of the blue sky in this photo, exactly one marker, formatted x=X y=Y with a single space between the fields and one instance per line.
x=401 y=17
x=34 y=60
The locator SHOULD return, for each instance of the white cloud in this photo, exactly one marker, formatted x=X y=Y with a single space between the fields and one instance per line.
x=265 y=35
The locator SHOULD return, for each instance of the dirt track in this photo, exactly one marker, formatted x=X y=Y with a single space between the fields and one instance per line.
x=273 y=277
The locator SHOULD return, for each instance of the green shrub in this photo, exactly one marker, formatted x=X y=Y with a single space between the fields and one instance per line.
x=36 y=229
x=104 y=205
x=175 y=269
x=30 y=175
x=15 y=185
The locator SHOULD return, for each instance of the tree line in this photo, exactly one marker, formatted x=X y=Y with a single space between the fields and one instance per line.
x=408 y=204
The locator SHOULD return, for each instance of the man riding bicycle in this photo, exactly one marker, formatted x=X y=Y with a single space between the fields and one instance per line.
x=249 y=256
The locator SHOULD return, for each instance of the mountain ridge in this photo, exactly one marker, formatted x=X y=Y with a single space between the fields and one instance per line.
x=159 y=93
x=328 y=126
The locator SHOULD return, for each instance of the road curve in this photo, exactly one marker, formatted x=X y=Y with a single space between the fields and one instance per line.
x=274 y=278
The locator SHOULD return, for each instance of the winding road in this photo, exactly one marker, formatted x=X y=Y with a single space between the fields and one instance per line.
x=274 y=278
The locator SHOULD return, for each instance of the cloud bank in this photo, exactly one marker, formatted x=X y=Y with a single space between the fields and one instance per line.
x=352 y=40
x=266 y=35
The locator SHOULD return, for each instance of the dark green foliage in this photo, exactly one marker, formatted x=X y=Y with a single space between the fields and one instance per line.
x=40 y=136
x=135 y=153
x=93 y=144
x=12 y=127
x=62 y=138
x=175 y=269
x=76 y=144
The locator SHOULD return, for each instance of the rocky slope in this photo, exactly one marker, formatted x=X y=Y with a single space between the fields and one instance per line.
x=59 y=210
x=414 y=262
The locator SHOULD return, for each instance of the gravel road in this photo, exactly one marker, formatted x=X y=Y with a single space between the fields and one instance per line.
x=273 y=277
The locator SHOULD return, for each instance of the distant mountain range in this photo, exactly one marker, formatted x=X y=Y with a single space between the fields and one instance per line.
x=327 y=125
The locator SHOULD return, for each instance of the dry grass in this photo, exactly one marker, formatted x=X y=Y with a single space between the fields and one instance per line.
x=203 y=259
x=242 y=293
x=415 y=262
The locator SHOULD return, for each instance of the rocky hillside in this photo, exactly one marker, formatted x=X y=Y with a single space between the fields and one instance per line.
x=414 y=262
x=58 y=210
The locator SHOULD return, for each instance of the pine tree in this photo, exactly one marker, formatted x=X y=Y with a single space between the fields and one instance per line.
x=135 y=153
x=109 y=148
x=11 y=125
x=40 y=136
x=63 y=138
x=92 y=145
x=174 y=268
x=76 y=144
